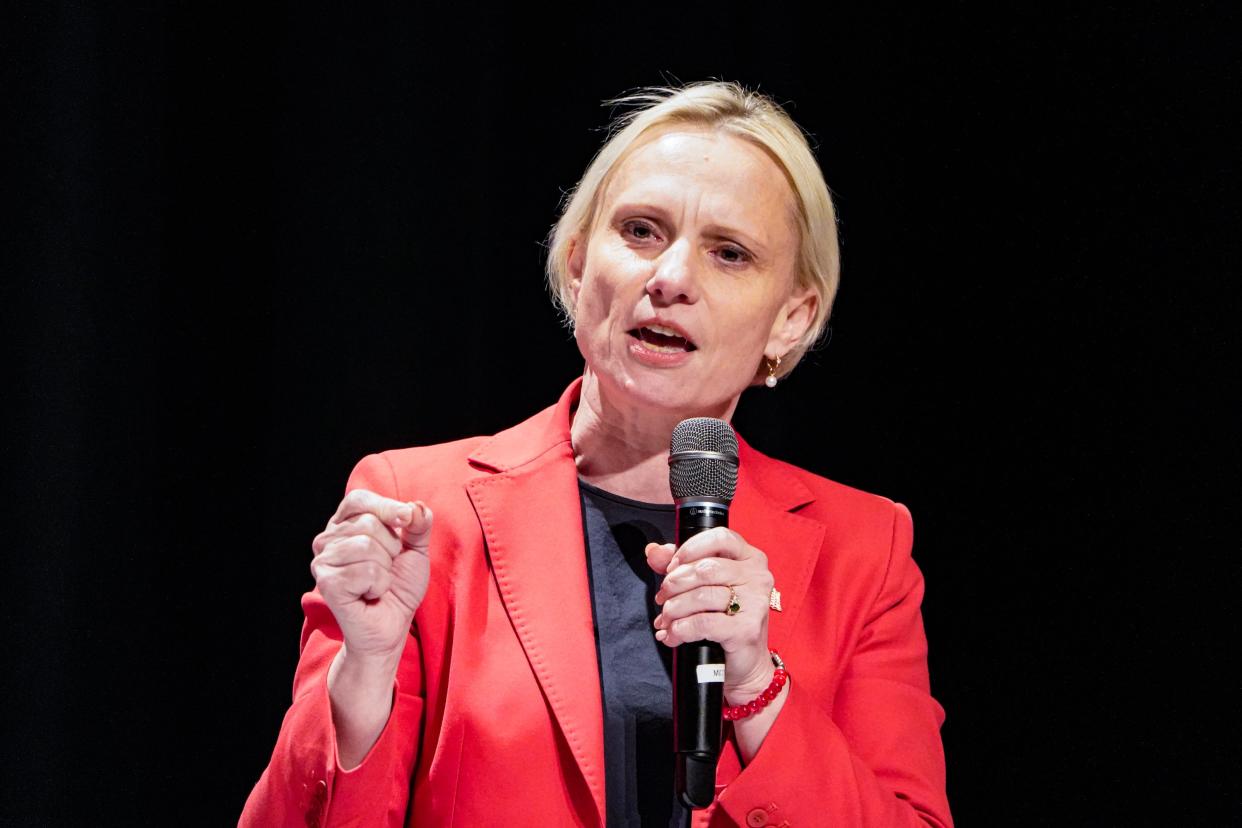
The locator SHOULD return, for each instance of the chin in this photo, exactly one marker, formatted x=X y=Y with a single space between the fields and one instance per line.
x=673 y=392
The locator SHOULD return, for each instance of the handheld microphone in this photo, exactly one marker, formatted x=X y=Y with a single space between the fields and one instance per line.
x=703 y=478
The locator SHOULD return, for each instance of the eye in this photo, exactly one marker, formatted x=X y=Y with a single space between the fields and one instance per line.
x=733 y=255
x=638 y=230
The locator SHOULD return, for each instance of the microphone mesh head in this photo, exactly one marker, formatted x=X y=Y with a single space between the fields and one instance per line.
x=703 y=477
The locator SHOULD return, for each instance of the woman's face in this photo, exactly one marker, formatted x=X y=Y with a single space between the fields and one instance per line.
x=687 y=278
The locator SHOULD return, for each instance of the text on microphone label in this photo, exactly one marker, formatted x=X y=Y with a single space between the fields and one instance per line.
x=709 y=673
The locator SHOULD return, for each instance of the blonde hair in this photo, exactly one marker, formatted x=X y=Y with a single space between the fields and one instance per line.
x=734 y=110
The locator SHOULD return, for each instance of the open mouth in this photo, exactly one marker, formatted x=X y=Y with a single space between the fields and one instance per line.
x=662 y=340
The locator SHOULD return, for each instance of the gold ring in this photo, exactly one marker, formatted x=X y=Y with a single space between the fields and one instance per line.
x=734 y=607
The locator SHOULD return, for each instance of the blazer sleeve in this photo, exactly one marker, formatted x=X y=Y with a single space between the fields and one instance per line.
x=871 y=756
x=304 y=784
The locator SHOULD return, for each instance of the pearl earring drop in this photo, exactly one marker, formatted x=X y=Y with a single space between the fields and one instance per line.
x=770 y=380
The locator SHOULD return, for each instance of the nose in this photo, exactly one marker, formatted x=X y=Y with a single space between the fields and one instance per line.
x=675 y=278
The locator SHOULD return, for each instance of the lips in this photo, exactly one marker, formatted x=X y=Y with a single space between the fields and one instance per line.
x=663 y=339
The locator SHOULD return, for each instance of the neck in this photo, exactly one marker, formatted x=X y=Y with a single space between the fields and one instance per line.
x=623 y=448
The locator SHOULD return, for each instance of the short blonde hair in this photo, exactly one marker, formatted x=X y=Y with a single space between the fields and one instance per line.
x=734 y=110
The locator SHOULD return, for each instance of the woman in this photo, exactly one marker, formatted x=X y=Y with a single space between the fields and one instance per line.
x=500 y=666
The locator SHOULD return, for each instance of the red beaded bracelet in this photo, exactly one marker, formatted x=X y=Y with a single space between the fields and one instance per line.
x=741 y=711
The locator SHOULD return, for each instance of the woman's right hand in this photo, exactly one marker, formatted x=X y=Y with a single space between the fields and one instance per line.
x=371 y=566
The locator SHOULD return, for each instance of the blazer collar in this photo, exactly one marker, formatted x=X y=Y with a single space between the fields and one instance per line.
x=530 y=439
x=531 y=516
x=772 y=481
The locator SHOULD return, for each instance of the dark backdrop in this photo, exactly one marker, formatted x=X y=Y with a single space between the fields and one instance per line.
x=242 y=249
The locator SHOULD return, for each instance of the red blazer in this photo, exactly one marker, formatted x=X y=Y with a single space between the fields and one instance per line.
x=497 y=717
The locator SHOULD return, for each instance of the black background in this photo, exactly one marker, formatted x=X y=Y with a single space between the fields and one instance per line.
x=244 y=248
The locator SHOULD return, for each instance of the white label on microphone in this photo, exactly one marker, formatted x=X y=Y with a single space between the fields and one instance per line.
x=709 y=673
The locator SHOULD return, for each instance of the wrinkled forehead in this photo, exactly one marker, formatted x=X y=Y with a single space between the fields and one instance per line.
x=665 y=156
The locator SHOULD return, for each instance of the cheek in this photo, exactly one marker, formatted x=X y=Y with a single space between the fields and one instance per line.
x=746 y=348
x=593 y=302
x=748 y=353
x=751 y=324
x=595 y=322
x=593 y=325
x=605 y=281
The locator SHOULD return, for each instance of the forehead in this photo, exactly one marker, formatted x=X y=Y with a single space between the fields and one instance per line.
x=728 y=174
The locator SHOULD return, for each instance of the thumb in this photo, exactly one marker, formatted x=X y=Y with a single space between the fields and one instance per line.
x=658 y=556
x=411 y=568
x=416 y=535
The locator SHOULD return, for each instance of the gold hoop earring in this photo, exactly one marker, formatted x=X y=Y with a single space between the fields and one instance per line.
x=770 y=382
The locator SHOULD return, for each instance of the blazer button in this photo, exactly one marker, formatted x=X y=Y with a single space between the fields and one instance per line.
x=756 y=818
x=319 y=797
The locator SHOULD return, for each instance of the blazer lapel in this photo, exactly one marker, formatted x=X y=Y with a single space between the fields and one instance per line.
x=531 y=518
x=762 y=513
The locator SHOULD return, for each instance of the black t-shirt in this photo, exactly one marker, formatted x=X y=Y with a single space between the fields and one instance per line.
x=635 y=669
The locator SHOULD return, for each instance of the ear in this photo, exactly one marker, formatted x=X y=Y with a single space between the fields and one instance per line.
x=793 y=321
x=575 y=262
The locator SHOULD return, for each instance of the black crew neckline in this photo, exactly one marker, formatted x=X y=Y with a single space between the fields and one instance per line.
x=625 y=501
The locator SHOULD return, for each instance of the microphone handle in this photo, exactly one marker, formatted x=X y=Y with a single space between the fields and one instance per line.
x=698 y=683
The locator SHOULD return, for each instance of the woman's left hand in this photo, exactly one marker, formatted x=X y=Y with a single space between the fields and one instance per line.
x=696 y=593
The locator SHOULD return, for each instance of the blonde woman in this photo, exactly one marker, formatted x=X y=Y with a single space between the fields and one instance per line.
x=489 y=637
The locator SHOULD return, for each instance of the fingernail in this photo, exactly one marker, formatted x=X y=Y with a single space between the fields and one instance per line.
x=659 y=619
x=403 y=516
x=672 y=564
x=661 y=635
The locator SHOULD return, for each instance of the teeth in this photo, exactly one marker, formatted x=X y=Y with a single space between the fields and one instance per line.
x=663 y=331
x=673 y=342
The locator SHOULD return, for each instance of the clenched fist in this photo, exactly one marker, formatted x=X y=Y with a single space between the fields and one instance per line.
x=371 y=566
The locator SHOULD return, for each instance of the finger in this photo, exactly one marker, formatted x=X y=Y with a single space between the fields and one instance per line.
x=394 y=513
x=411 y=572
x=355 y=549
x=712 y=626
x=416 y=536
x=658 y=556
x=364 y=524
x=341 y=584
x=720 y=542
x=705 y=572
x=699 y=599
